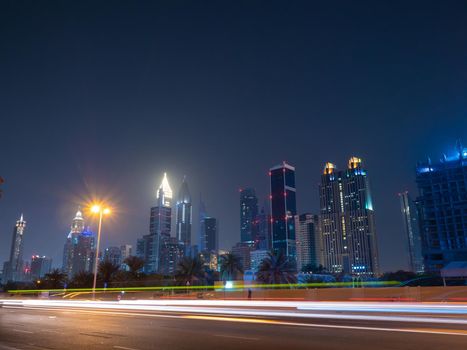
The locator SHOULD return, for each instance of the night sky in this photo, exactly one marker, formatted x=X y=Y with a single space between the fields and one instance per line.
x=101 y=99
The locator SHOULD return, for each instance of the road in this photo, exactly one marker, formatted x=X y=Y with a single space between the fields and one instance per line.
x=81 y=325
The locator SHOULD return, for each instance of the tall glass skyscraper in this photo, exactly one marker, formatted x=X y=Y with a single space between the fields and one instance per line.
x=160 y=225
x=412 y=232
x=77 y=227
x=184 y=216
x=210 y=235
x=283 y=209
x=264 y=228
x=347 y=220
x=307 y=240
x=13 y=268
x=443 y=209
x=248 y=215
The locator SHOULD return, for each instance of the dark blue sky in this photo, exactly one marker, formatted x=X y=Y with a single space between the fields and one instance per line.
x=102 y=99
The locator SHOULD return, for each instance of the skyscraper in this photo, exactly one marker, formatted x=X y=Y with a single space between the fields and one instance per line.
x=77 y=227
x=412 y=232
x=248 y=215
x=210 y=235
x=160 y=225
x=264 y=228
x=13 y=268
x=283 y=209
x=160 y=222
x=84 y=252
x=184 y=217
x=443 y=209
x=202 y=214
x=114 y=255
x=40 y=266
x=347 y=220
x=307 y=240
x=172 y=252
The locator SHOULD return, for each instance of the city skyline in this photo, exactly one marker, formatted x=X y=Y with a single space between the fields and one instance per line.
x=161 y=198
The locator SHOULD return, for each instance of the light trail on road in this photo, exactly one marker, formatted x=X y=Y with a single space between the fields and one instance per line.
x=269 y=309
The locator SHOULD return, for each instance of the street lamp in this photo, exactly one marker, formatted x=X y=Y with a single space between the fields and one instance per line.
x=101 y=210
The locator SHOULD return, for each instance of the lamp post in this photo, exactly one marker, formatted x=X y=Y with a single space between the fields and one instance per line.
x=98 y=209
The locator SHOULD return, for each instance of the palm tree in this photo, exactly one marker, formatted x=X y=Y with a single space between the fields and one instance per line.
x=190 y=270
x=230 y=266
x=82 y=279
x=55 y=279
x=135 y=264
x=276 y=269
x=107 y=270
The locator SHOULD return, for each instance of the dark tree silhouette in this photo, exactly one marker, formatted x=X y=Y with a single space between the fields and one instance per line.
x=276 y=269
x=55 y=279
x=230 y=266
x=190 y=270
x=82 y=279
x=135 y=264
x=107 y=270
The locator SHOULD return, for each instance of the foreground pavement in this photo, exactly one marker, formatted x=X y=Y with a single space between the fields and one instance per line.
x=191 y=324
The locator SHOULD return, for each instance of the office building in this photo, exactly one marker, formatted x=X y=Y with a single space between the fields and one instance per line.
x=347 y=220
x=412 y=233
x=307 y=240
x=443 y=209
x=248 y=216
x=160 y=225
x=69 y=249
x=283 y=209
x=114 y=255
x=13 y=268
x=184 y=217
x=40 y=266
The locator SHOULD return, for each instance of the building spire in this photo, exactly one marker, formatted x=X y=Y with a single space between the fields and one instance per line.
x=79 y=214
x=165 y=188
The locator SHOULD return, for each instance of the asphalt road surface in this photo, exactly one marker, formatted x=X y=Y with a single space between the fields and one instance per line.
x=67 y=328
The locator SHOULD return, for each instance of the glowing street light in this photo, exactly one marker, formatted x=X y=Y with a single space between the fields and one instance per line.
x=101 y=210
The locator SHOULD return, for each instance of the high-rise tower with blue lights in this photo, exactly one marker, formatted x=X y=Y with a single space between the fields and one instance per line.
x=283 y=209
x=443 y=209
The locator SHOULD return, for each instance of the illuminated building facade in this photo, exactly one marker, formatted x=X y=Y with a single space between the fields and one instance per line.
x=77 y=227
x=412 y=232
x=160 y=225
x=283 y=209
x=172 y=251
x=13 y=268
x=184 y=217
x=84 y=252
x=443 y=209
x=308 y=240
x=347 y=223
x=248 y=216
